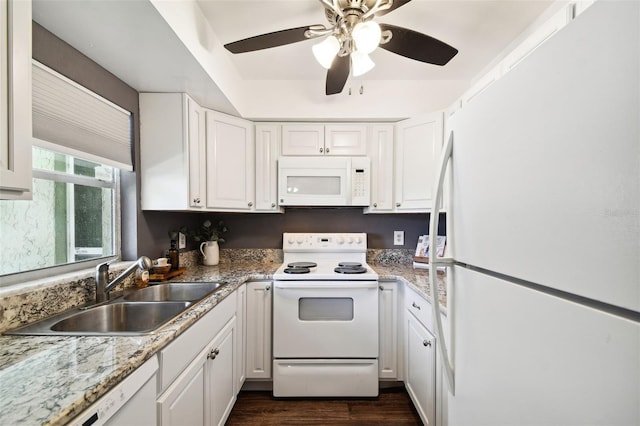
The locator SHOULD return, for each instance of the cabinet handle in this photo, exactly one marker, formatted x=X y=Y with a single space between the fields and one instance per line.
x=321 y=150
x=375 y=204
x=267 y=288
x=212 y=354
x=415 y=306
x=273 y=205
x=250 y=203
x=397 y=204
x=381 y=288
x=196 y=201
x=216 y=351
x=326 y=151
x=426 y=343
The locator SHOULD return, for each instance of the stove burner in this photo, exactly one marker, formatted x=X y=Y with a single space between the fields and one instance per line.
x=305 y=265
x=350 y=264
x=296 y=270
x=350 y=270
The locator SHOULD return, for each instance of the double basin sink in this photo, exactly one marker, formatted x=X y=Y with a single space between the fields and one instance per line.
x=137 y=312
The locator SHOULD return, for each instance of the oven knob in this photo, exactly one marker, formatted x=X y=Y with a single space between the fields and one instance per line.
x=290 y=240
x=358 y=240
x=300 y=240
x=340 y=240
x=350 y=240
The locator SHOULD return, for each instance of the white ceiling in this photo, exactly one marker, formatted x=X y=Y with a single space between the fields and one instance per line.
x=151 y=46
x=480 y=30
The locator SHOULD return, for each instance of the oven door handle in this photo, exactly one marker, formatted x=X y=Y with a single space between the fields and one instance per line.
x=319 y=285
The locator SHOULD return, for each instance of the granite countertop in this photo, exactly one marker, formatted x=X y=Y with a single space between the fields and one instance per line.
x=52 y=379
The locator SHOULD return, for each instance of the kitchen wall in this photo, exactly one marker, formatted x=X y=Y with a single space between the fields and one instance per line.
x=247 y=230
x=147 y=232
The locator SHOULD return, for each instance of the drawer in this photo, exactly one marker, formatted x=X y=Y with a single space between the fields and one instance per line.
x=179 y=353
x=419 y=307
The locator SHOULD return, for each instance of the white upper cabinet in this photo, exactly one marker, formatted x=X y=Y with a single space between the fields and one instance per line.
x=15 y=100
x=268 y=140
x=345 y=139
x=172 y=150
x=302 y=139
x=230 y=162
x=380 y=150
x=308 y=139
x=417 y=149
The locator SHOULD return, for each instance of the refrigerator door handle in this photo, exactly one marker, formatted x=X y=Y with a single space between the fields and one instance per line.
x=433 y=232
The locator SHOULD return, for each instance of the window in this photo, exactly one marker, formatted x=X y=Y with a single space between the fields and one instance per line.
x=71 y=220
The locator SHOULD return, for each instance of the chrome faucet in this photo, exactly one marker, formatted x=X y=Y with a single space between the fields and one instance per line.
x=103 y=286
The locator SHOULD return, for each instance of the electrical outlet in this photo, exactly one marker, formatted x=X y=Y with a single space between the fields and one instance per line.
x=398 y=238
x=182 y=240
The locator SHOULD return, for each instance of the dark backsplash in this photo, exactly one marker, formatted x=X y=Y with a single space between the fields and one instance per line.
x=253 y=230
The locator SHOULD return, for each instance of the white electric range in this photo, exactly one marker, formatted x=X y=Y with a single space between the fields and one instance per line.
x=325 y=317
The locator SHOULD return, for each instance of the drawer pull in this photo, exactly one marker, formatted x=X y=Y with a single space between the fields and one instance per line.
x=426 y=342
x=415 y=306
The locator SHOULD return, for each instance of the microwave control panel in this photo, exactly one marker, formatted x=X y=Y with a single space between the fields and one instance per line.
x=360 y=181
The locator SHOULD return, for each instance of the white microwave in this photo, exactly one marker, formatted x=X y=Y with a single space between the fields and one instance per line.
x=324 y=181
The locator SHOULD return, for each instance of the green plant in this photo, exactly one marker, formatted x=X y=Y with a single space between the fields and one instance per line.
x=207 y=232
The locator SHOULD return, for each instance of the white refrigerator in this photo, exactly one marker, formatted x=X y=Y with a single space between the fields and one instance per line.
x=543 y=322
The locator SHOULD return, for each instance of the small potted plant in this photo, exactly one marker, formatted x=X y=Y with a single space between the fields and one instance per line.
x=209 y=235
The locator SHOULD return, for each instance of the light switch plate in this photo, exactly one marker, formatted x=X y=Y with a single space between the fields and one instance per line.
x=182 y=240
x=398 y=238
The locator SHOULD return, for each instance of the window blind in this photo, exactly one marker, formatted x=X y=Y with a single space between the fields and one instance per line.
x=73 y=117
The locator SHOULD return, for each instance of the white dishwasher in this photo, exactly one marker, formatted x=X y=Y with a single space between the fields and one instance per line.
x=131 y=402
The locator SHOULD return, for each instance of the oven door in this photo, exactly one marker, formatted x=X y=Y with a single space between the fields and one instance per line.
x=325 y=319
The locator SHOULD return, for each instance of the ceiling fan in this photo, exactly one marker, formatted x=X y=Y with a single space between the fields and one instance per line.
x=351 y=35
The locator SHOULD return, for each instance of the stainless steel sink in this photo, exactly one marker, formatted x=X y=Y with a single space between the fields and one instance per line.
x=183 y=292
x=137 y=317
x=138 y=312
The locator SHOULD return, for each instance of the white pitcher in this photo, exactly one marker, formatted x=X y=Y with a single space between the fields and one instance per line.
x=210 y=252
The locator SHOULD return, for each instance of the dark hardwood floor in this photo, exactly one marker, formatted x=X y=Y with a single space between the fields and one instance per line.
x=391 y=407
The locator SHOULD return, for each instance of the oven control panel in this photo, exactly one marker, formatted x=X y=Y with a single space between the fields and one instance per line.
x=330 y=242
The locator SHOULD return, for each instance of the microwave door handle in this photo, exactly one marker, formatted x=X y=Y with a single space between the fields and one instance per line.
x=434 y=261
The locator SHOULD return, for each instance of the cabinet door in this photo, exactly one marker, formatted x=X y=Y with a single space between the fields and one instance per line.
x=241 y=333
x=388 y=331
x=230 y=162
x=268 y=139
x=420 y=375
x=184 y=401
x=15 y=100
x=303 y=139
x=221 y=385
x=418 y=144
x=197 y=154
x=380 y=150
x=345 y=139
x=259 y=303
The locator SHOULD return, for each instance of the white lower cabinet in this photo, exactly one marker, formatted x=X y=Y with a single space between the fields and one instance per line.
x=388 y=331
x=241 y=333
x=420 y=376
x=258 y=318
x=198 y=380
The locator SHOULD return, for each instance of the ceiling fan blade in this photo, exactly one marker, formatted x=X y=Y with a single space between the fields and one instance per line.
x=396 y=4
x=414 y=45
x=338 y=74
x=266 y=41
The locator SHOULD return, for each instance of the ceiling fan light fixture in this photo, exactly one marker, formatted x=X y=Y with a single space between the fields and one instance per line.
x=366 y=36
x=361 y=63
x=326 y=51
